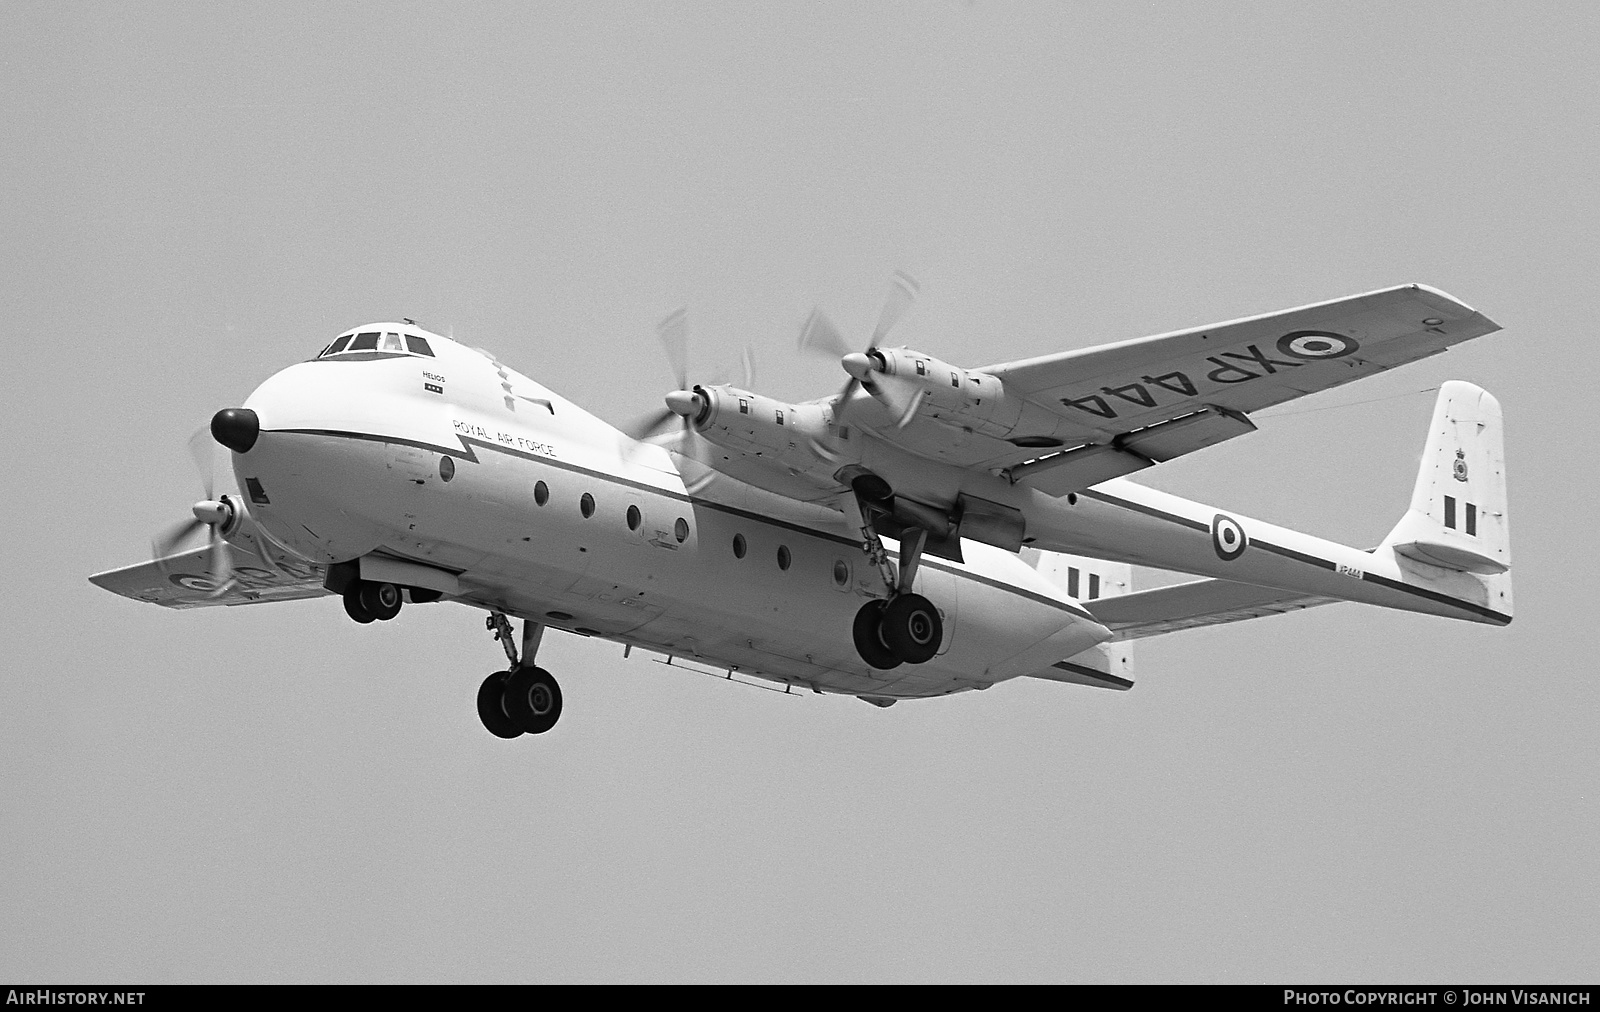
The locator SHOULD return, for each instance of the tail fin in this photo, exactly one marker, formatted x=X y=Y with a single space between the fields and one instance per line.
x=1106 y=665
x=1458 y=519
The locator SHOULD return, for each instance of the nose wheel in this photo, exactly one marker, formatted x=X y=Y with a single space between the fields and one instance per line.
x=523 y=699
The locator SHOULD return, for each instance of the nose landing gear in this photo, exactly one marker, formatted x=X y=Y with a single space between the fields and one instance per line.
x=524 y=699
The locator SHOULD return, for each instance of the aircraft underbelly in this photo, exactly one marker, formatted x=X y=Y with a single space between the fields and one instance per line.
x=642 y=564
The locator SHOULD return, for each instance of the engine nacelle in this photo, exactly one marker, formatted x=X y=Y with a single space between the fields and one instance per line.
x=761 y=426
x=955 y=396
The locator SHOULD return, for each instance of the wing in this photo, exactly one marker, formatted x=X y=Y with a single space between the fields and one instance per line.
x=1123 y=406
x=1191 y=605
x=180 y=580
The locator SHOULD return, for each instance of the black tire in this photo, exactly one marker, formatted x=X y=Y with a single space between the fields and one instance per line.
x=353 y=606
x=912 y=628
x=533 y=700
x=382 y=600
x=492 y=707
x=868 y=634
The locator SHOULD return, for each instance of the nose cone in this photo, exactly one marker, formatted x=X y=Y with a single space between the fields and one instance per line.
x=236 y=428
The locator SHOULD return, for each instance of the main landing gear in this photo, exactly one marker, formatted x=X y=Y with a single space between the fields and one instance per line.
x=523 y=699
x=366 y=601
x=906 y=628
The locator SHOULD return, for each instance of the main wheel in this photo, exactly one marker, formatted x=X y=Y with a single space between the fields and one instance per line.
x=492 y=706
x=382 y=600
x=868 y=634
x=354 y=608
x=912 y=628
x=533 y=700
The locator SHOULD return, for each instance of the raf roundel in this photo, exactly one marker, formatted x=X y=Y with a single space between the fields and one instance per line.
x=1313 y=345
x=1228 y=537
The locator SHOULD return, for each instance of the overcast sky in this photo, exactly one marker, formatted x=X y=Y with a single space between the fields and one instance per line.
x=193 y=196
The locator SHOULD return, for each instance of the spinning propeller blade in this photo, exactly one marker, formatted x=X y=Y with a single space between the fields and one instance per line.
x=209 y=513
x=673 y=331
x=820 y=335
x=652 y=424
x=902 y=293
x=202 y=451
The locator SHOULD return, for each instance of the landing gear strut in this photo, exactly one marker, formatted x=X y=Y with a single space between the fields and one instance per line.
x=906 y=627
x=524 y=699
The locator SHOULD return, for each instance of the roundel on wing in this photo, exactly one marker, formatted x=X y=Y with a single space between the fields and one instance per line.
x=1228 y=537
x=1314 y=345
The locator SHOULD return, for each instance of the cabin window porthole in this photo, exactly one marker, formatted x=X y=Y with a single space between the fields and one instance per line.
x=739 y=547
x=783 y=557
x=541 y=493
x=634 y=518
x=1072 y=498
x=841 y=573
x=680 y=530
x=447 y=468
x=586 y=505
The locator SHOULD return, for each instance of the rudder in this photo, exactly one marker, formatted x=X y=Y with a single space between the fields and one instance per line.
x=1458 y=517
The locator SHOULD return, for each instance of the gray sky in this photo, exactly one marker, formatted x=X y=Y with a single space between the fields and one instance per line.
x=196 y=195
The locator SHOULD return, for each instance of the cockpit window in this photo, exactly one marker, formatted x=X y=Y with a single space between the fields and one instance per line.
x=383 y=342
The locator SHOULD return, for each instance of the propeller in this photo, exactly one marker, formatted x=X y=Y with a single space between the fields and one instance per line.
x=673 y=332
x=820 y=336
x=210 y=513
x=683 y=403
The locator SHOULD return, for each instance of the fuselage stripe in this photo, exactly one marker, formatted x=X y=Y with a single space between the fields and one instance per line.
x=1499 y=618
x=467 y=454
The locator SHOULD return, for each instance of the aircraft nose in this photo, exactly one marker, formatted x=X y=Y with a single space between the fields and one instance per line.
x=236 y=428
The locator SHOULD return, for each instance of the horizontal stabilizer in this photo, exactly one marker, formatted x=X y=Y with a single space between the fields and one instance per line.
x=1191 y=605
x=1095 y=667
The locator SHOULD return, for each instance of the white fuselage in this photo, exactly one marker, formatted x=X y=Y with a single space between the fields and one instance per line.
x=545 y=512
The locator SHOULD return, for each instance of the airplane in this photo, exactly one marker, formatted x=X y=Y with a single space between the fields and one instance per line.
x=926 y=530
